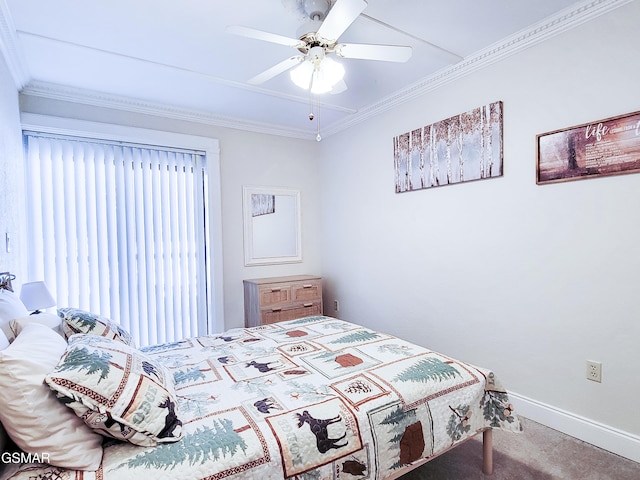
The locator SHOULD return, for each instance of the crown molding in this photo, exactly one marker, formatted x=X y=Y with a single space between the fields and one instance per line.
x=10 y=50
x=561 y=22
x=134 y=105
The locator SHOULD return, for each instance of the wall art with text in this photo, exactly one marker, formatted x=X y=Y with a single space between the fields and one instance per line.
x=603 y=147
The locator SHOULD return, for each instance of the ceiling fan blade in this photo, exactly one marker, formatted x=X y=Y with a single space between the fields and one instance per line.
x=386 y=53
x=265 y=36
x=339 y=87
x=276 y=70
x=340 y=17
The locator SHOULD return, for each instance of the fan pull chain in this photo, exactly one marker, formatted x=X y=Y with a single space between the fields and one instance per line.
x=314 y=113
x=311 y=114
x=318 y=137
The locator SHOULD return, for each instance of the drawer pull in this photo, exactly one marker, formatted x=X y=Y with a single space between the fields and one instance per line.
x=276 y=309
x=308 y=286
x=273 y=290
x=307 y=305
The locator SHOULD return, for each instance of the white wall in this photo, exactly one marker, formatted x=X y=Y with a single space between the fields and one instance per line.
x=528 y=280
x=245 y=159
x=263 y=160
x=12 y=209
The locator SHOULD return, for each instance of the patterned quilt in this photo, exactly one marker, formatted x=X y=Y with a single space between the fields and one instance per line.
x=313 y=398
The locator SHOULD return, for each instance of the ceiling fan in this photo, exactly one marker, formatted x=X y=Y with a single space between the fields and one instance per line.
x=317 y=42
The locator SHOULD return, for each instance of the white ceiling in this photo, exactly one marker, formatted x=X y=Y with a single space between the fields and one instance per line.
x=175 y=57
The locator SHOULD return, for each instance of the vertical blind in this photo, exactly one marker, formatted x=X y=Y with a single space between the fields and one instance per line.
x=120 y=230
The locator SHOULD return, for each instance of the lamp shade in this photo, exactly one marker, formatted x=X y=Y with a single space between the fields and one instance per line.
x=35 y=296
x=301 y=75
x=327 y=76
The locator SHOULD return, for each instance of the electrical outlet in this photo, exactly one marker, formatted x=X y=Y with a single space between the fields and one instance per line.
x=336 y=306
x=594 y=371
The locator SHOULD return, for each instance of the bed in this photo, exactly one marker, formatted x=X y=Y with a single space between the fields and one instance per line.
x=311 y=398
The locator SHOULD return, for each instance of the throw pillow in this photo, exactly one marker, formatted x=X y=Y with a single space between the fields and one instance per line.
x=75 y=321
x=117 y=390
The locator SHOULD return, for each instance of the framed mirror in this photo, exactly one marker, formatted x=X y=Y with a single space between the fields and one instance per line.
x=271 y=226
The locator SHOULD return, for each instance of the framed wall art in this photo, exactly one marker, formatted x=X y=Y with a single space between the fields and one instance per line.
x=459 y=149
x=604 y=147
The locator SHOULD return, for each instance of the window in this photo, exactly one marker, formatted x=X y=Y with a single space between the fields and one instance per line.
x=122 y=229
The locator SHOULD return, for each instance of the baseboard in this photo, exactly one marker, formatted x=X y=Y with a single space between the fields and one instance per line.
x=608 y=438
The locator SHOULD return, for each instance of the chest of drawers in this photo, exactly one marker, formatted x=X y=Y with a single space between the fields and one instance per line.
x=275 y=299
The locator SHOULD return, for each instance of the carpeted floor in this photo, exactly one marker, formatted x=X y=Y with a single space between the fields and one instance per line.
x=538 y=453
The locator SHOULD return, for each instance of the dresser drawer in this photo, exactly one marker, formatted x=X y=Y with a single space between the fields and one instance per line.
x=274 y=315
x=303 y=292
x=274 y=295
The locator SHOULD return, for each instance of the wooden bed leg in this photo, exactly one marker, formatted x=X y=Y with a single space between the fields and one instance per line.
x=487 y=452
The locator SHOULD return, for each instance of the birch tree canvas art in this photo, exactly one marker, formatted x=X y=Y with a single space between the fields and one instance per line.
x=459 y=149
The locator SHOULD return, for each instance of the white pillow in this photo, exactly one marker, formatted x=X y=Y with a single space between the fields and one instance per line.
x=10 y=308
x=50 y=320
x=4 y=341
x=3 y=439
x=31 y=413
